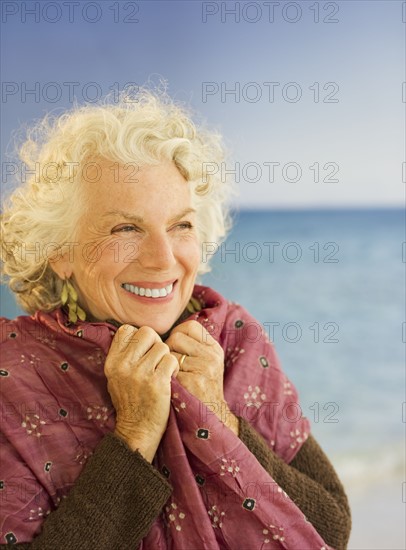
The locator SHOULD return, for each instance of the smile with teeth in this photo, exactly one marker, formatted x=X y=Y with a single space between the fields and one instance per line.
x=149 y=292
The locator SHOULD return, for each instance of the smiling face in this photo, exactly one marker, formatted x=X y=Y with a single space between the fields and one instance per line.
x=138 y=252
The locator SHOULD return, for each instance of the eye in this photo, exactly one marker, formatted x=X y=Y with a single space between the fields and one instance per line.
x=124 y=229
x=184 y=225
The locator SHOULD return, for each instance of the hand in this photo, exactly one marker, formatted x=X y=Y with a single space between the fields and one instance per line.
x=202 y=371
x=139 y=368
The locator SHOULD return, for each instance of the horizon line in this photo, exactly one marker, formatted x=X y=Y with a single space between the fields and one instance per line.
x=314 y=208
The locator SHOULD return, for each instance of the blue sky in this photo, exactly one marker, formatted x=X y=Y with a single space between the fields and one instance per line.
x=337 y=104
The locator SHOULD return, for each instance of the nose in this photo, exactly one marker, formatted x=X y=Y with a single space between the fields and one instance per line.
x=156 y=252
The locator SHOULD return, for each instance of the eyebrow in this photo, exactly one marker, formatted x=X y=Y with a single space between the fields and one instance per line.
x=138 y=219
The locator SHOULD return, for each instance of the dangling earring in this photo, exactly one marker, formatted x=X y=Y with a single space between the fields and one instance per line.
x=70 y=296
x=194 y=305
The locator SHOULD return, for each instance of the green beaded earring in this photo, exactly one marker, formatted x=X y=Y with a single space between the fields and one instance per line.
x=70 y=296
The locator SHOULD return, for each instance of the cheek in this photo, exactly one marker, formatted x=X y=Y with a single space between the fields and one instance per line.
x=122 y=252
x=98 y=260
x=118 y=254
x=192 y=255
x=187 y=254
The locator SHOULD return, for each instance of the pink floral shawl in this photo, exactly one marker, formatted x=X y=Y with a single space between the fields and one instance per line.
x=56 y=408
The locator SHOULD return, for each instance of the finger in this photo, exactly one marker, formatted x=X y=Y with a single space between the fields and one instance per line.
x=152 y=358
x=188 y=364
x=196 y=331
x=117 y=349
x=177 y=356
x=131 y=345
x=183 y=344
x=168 y=366
x=141 y=342
x=124 y=335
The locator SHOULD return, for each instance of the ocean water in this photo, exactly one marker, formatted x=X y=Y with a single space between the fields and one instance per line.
x=329 y=289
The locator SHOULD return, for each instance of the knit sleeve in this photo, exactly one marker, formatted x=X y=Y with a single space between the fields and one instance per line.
x=311 y=482
x=113 y=503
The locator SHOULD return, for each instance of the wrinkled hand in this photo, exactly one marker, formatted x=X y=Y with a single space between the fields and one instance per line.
x=139 y=367
x=202 y=371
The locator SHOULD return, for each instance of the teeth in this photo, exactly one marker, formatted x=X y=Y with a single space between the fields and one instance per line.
x=149 y=292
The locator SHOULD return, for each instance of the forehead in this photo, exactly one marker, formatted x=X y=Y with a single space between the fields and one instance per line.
x=113 y=186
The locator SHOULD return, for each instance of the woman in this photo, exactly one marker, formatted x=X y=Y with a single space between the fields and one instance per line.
x=139 y=409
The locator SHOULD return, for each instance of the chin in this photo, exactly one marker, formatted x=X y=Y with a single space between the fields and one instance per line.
x=163 y=329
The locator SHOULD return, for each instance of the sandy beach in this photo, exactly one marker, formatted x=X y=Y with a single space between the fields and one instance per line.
x=378 y=515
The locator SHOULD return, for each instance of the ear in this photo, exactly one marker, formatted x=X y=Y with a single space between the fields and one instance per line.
x=61 y=265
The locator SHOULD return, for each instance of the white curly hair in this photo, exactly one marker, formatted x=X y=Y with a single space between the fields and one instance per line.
x=41 y=214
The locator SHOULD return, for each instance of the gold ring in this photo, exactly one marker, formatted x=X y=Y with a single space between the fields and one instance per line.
x=181 y=360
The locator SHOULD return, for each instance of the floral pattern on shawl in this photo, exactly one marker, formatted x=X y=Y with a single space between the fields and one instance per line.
x=56 y=408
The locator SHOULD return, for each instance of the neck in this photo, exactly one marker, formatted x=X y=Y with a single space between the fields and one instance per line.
x=164 y=336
